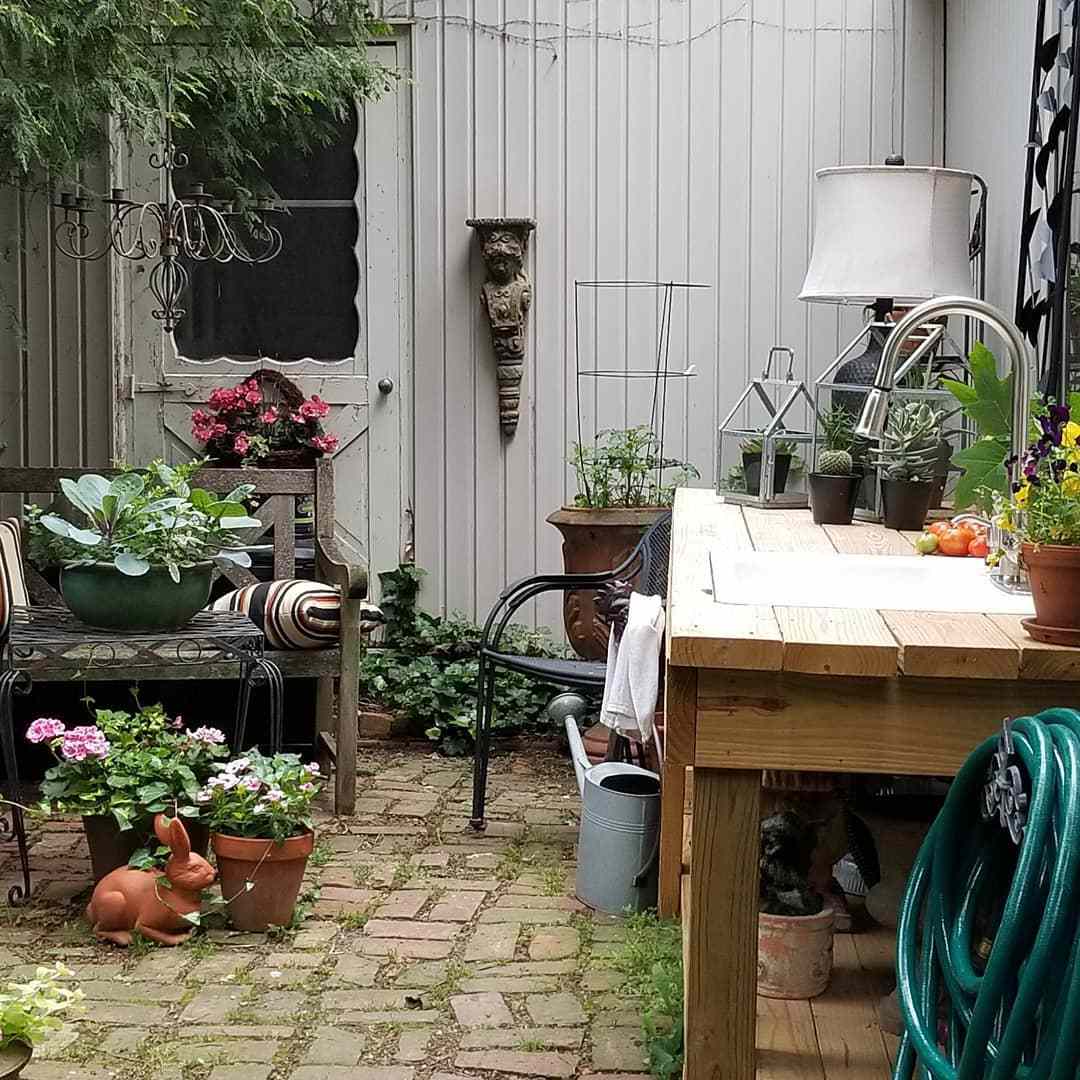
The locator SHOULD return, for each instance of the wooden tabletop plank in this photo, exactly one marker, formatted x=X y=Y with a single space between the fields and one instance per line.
x=1039 y=660
x=943 y=644
x=865 y=538
x=784 y=530
x=701 y=632
x=837 y=641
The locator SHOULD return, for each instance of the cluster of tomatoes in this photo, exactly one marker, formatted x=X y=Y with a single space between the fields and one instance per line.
x=953 y=538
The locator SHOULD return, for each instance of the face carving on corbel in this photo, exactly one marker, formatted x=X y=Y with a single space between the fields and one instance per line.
x=506 y=297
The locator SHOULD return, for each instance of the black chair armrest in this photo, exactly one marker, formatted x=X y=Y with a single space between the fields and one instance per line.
x=350 y=577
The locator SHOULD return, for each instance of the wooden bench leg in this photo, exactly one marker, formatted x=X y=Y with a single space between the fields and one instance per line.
x=680 y=716
x=348 y=704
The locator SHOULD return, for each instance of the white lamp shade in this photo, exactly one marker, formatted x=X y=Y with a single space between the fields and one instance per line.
x=891 y=232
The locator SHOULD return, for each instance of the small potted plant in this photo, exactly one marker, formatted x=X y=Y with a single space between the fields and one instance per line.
x=261 y=832
x=907 y=459
x=144 y=559
x=29 y=1012
x=795 y=925
x=786 y=462
x=265 y=420
x=834 y=487
x=624 y=485
x=1044 y=512
x=122 y=770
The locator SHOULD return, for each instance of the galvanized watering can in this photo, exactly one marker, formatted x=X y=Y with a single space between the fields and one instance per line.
x=619 y=839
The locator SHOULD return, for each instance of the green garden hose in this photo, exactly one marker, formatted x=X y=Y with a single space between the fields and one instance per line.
x=988 y=941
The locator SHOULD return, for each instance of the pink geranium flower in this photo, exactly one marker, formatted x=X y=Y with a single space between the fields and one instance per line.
x=314 y=408
x=83 y=742
x=241 y=444
x=208 y=735
x=326 y=443
x=45 y=728
x=270 y=416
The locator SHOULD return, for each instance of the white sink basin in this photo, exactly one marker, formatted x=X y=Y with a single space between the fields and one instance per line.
x=884 y=582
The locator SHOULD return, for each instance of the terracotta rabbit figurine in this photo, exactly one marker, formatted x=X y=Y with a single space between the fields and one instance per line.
x=130 y=900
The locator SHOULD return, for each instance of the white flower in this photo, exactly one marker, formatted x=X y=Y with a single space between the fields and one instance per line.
x=313 y=768
x=262 y=808
x=204 y=796
x=274 y=795
x=237 y=765
x=208 y=735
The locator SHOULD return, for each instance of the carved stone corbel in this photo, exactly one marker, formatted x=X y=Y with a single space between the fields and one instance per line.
x=506 y=297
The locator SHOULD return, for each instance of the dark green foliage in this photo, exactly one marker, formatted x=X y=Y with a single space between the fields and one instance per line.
x=250 y=78
x=651 y=960
x=426 y=669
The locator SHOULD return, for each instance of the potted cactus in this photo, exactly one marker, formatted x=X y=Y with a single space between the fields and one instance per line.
x=834 y=487
x=907 y=459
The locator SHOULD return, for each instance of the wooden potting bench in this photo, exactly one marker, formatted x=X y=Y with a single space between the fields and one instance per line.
x=825 y=689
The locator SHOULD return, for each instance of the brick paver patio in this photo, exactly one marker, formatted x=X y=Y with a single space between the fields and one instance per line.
x=429 y=952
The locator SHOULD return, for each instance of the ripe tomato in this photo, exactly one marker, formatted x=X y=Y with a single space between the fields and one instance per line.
x=939 y=527
x=955 y=541
x=978 y=547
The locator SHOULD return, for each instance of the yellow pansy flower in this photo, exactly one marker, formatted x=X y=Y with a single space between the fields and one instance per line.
x=1070 y=436
x=1071 y=485
x=1021 y=497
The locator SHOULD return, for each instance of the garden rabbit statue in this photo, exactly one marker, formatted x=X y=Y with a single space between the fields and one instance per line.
x=128 y=900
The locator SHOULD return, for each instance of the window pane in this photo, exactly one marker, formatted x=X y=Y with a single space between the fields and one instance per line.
x=301 y=304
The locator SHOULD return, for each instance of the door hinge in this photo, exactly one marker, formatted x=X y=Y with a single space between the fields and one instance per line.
x=127 y=388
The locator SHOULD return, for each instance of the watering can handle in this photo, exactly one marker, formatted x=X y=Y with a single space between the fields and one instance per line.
x=577 y=752
x=646 y=868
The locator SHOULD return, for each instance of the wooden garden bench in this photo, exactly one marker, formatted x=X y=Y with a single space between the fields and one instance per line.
x=335 y=668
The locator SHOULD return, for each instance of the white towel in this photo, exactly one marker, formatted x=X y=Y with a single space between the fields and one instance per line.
x=633 y=670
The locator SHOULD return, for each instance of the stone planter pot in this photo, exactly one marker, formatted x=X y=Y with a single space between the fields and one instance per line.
x=13 y=1059
x=101 y=596
x=275 y=870
x=111 y=847
x=905 y=503
x=1054 y=570
x=795 y=954
x=596 y=540
x=833 y=498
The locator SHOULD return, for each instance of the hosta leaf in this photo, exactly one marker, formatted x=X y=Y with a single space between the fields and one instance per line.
x=93 y=488
x=74 y=496
x=130 y=564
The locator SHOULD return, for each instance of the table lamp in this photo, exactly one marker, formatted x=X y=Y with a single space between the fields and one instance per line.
x=889 y=236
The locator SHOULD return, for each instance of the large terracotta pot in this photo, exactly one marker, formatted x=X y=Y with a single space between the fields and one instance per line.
x=111 y=847
x=795 y=954
x=596 y=540
x=1054 y=570
x=275 y=870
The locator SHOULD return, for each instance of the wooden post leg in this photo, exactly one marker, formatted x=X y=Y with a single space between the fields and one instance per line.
x=680 y=714
x=348 y=702
x=721 y=967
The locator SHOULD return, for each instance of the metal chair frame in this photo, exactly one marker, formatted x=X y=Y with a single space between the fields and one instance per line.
x=648 y=562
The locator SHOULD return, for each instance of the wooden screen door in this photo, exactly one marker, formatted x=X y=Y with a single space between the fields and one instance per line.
x=332 y=312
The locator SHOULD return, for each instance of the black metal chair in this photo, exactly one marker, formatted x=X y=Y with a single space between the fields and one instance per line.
x=646 y=567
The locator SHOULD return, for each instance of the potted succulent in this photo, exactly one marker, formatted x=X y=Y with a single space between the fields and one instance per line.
x=1044 y=512
x=144 y=559
x=265 y=420
x=624 y=485
x=834 y=486
x=29 y=1012
x=795 y=925
x=786 y=462
x=907 y=458
x=122 y=770
x=261 y=832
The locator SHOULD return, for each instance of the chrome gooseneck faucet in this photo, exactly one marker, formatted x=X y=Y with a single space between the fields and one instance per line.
x=875 y=411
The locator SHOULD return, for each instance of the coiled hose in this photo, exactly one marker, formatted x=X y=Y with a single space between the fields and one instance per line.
x=987 y=940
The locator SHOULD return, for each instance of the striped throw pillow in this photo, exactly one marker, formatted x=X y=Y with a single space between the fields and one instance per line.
x=295 y=614
x=12 y=583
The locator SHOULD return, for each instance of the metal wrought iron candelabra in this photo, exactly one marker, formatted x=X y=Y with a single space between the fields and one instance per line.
x=196 y=226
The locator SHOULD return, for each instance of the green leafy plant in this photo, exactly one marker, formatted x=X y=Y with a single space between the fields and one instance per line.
x=29 y=1011
x=623 y=468
x=127 y=765
x=426 y=668
x=142 y=519
x=987 y=400
x=651 y=961
x=263 y=797
x=910 y=444
x=249 y=79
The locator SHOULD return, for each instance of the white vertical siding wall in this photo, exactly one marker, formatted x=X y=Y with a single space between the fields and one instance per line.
x=649 y=139
x=989 y=57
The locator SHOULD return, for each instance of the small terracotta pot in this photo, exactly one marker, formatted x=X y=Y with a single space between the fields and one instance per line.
x=596 y=540
x=111 y=847
x=795 y=954
x=276 y=871
x=13 y=1059
x=1054 y=570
